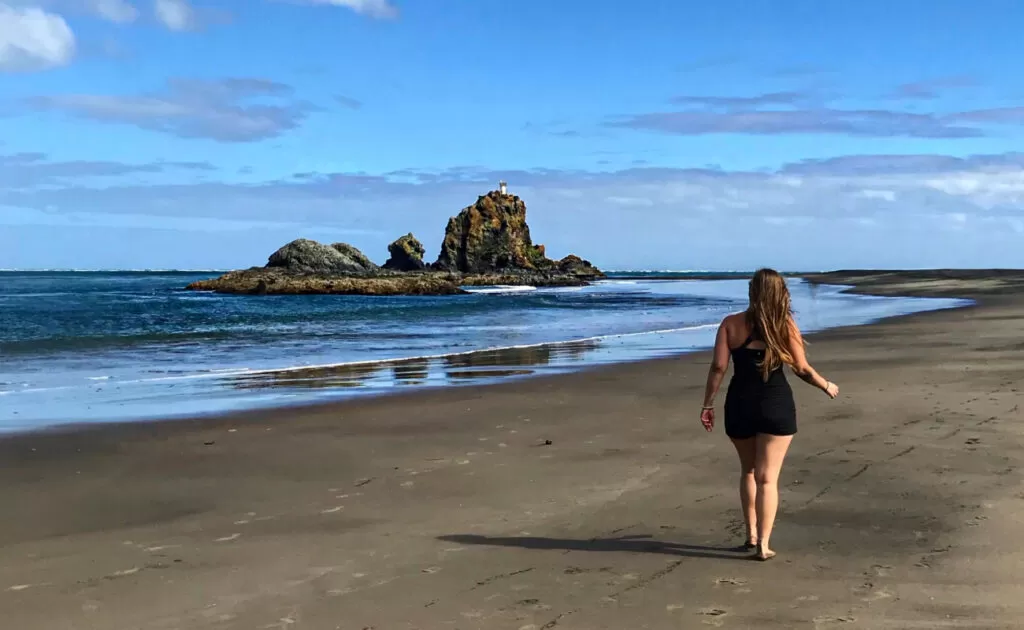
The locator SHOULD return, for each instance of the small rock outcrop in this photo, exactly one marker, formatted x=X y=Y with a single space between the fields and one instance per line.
x=406 y=255
x=355 y=255
x=271 y=281
x=491 y=236
x=306 y=256
x=573 y=265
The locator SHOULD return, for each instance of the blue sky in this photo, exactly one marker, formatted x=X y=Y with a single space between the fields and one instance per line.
x=661 y=134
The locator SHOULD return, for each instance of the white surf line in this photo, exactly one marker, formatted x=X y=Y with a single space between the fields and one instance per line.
x=501 y=288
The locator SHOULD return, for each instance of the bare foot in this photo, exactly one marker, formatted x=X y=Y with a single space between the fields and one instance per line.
x=750 y=544
x=763 y=553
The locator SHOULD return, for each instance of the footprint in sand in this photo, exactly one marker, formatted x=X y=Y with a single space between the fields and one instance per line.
x=248 y=519
x=830 y=619
x=715 y=616
x=878 y=595
x=161 y=548
x=730 y=581
x=17 y=588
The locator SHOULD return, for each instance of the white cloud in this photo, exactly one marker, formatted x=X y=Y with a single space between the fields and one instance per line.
x=987 y=189
x=372 y=8
x=227 y=110
x=647 y=217
x=25 y=171
x=629 y=201
x=120 y=11
x=887 y=195
x=33 y=39
x=176 y=15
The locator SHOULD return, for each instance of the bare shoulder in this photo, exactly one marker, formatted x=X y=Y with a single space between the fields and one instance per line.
x=734 y=325
x=731 y=321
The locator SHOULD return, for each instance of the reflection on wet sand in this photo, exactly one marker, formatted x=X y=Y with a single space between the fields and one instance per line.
x=480 y=365
x=472 y=375
x=411 y=371
x=474 y=366
x=353 y=375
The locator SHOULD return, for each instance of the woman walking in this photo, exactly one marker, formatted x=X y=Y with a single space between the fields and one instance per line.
x=760 y=414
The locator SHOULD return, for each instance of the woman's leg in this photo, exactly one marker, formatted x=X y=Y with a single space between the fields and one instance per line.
x=771 y=451
x=746 y=449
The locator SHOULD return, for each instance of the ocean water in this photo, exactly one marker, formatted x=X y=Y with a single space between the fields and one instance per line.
x=109 y=346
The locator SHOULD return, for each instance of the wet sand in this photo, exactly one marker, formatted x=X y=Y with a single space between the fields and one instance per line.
x=585 y=501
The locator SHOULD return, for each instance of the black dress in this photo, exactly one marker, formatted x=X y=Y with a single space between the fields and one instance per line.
x=753 y=405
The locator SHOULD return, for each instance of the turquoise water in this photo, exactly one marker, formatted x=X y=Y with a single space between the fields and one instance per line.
x=106 y=346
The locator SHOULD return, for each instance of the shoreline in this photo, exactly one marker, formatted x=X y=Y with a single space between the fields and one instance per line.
x=270 y=412
x=160 y=425
x=514 y=371
x=981 y=285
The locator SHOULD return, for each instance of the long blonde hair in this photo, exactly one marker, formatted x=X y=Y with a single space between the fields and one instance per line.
x=768 y=317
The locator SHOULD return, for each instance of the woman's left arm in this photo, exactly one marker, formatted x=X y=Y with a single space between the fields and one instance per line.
x=719 y=365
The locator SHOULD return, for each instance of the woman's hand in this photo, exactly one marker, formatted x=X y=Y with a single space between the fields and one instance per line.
x=707 y=418
x=831 y=390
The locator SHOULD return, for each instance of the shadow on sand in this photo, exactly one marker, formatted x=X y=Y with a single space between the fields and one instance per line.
x=628 y=544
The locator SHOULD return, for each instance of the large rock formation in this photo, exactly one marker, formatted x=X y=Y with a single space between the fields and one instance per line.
x=488 y=243
x=306 y=256
x=406 y=255
x=491 y=236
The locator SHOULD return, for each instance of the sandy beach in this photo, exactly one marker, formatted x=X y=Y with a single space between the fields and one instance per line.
x=583 y=501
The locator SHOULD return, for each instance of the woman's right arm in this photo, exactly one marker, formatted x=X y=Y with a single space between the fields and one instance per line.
x=802 y=368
